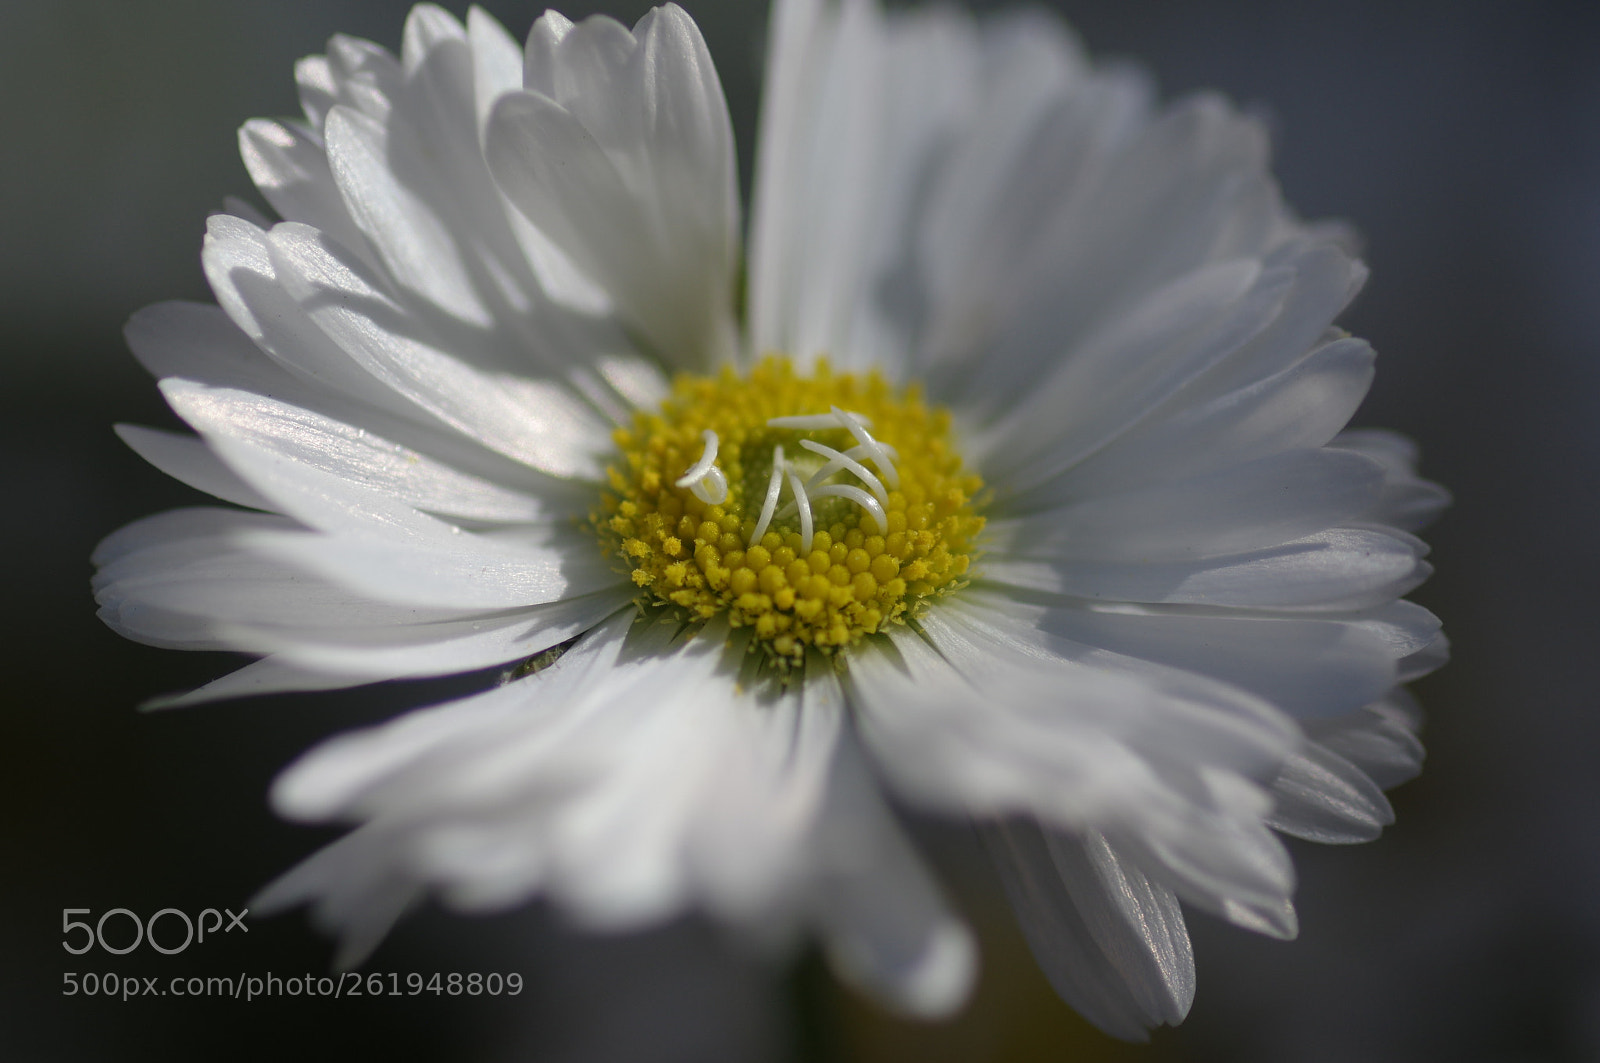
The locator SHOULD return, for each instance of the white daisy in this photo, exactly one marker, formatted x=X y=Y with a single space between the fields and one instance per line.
x=1011 y=489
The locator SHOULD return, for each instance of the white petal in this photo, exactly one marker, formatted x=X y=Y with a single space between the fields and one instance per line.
x=415 y=181
x=319 y=89
x=883 y=922
x=496 y=60
x=533 y=421
x=627 y=781
x=1075 y=744
x=289 y=166
x=1345 y=568
x=332 y=779
x=439 y=648
x=621 y=152
x=428 y=27
x=238 y=263
x=382 y=547
x=919 y=718
x=1307 y=667
x=1407 y=501
x=161 y=530
x=1170 y=202
x=356 y=73
x=1195 y=358
x=1301 y=406
x=182 y=579
x=1114 y=376
x=1039 y=124
x=1405 y=627
x=1326 y=279
x=1430 y=657
x=359 y=895
x=270 y=675
x=475 y=574
x=1221 y=859
x=187 y=459
x=1146 y=210
x=1324 y=798
x=198 y=341
x=187 y=580
x=349 y=453
x=823 y=128
x=417 y=246
x=242 y=208
x=1262 y=504
x=1173 y=778
x=1380 y=739
x=1111 y=942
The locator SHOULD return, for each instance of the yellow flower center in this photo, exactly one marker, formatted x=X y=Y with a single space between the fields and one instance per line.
x=812 y=509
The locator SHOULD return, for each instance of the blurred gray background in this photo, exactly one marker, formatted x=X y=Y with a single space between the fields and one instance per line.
x=1463 y=139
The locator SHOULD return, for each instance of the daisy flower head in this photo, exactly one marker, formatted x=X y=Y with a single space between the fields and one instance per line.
x=999 y=473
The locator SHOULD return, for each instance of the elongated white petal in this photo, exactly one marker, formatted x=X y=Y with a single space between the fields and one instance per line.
x=187 y=459
x=1095 y=749
x=350 y=453
x=1301 y=406
x=538 y=786
x=416 y=246
x=1324 y=798
x=1131 y=365
x=1307 y=666
x=1112 y=942
x=239 y=265
x=1345 y=568
x=885 y=926
x=438 y=648
x=1187 y=190
x=289 y=165
x=356 y=73
x=1380 y=739
x=201 y=344
x=1407 y=501
x=1171 y=772
x=380 y=546
x=819 y=164
x=620 y=150
x=530 y=420
x=269 y=675
x=190 y=580
x=1262 y=504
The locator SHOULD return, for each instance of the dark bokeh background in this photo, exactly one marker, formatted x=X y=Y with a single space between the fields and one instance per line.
x=1463 y=139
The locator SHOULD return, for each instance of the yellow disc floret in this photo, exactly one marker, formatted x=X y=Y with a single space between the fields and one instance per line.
x=812 y=509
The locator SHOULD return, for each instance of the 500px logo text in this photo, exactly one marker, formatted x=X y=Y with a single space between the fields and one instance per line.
x=129 y=931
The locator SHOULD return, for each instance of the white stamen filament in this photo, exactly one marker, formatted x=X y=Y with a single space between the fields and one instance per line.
x=860 y=498
x=880 y=454
x=774 y=485
x=880 y=457
x=837 y=461
x=704 y=478
x=854 y=494
x=803 y=502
